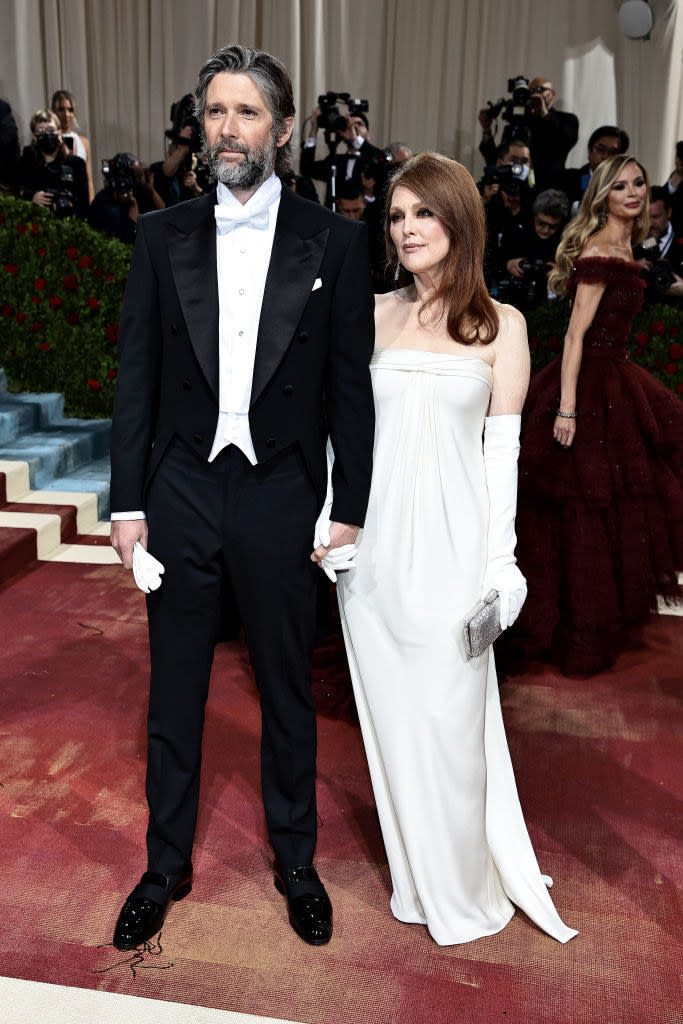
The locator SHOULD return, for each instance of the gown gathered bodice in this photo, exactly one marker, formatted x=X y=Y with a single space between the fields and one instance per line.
x=600 y=524
x=457 y=845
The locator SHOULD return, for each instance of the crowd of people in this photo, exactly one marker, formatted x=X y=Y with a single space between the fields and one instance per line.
x=528 y=192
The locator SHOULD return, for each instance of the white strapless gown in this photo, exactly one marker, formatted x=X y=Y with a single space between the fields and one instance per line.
x=456 y=841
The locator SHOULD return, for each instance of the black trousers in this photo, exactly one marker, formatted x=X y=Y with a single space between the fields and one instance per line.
x=210 y=523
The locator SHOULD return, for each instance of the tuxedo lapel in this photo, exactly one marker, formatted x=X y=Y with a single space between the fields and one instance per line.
x=294 y=264
x=192 y=252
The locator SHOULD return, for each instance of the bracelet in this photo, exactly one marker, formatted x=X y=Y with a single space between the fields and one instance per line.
x=566 y=415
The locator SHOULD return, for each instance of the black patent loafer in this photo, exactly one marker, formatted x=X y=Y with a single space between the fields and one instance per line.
x=143 y=913
x=308 y=905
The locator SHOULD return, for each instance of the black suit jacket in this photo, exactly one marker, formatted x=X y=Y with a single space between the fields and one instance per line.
x=313 y=347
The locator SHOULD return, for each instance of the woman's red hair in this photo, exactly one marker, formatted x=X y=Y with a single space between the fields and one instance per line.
x=448 y=190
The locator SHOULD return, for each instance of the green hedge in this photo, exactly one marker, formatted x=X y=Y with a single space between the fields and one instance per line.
x=62 y=285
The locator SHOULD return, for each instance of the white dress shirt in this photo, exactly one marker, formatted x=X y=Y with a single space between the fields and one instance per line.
x=243 y=249
x=243 y=254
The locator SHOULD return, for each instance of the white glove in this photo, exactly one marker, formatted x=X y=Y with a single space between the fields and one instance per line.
x=147 y=570
x=341 y=557
x=501 y=451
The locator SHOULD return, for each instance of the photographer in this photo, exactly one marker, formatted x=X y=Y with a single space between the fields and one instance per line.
x=661 y=254
x=352 y=129
x=128 y=191
x=530 y=115
x=508 y=197
x=182 y=175
x=528 y=255
x=48 y=174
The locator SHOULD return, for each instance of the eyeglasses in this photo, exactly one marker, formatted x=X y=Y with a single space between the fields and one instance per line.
x=600 y=147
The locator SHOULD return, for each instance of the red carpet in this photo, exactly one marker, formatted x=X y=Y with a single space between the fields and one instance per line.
x=598 y=771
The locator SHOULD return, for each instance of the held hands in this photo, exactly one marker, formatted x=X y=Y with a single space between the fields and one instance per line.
x=334 y=545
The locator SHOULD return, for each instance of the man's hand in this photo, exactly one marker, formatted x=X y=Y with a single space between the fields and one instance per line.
x=515 y=267
x=124 y=534
x=191 y=184
x=42 y=198
x=539 y=104
x=489 y=191
x=315 y=115
x=485 y=120
x=676 y=288
x=340 y=534
x=350 y=133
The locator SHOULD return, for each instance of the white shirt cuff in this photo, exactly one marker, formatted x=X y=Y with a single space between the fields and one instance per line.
x=358 y=141
x=310 y=142
x=120 y=516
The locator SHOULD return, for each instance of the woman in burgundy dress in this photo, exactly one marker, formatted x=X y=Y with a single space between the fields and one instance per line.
x=600 y=519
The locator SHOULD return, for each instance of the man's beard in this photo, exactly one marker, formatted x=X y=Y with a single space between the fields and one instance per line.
x=248 y=173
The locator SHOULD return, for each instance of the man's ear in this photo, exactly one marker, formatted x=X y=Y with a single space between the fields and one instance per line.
x=287 y=133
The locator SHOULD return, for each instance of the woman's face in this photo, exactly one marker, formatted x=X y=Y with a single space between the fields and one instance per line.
x=628 y=195
x=64 y=109
x=421 y=240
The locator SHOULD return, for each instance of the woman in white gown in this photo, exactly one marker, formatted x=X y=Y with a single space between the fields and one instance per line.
x=439 y=534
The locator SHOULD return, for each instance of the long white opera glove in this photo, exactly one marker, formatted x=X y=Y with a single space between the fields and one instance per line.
x=501 y=451
x=147 y=570
x=341 y=557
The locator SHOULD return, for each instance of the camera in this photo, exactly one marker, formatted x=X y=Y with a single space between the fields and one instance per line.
x=119 y=175
x=515 y=109
x=64 y=202
x=526 y=292
x=512 y=177
x=662 y=276
x=330 y=118
x=182 y=114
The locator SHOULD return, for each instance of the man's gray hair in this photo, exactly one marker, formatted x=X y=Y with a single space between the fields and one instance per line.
x=552 y=203
x=269 y=75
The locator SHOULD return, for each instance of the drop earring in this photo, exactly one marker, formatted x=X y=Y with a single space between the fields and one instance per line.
x=602 y=216
x=397 y=271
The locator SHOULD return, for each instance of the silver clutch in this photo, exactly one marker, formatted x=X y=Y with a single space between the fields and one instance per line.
x=482 y=625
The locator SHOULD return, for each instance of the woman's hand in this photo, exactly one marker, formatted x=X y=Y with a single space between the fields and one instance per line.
x=564 y=430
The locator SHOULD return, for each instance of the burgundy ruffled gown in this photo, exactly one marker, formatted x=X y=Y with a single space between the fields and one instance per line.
x=599 y=525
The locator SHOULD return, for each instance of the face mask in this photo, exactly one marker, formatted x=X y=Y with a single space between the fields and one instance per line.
x=47 y=142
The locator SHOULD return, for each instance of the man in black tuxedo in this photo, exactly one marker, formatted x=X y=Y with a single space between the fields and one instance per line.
x=245 y=337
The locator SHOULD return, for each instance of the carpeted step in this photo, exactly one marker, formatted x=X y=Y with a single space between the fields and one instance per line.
x=59 y=451
x=93 y=477
x=18 y=550
x=27 y=411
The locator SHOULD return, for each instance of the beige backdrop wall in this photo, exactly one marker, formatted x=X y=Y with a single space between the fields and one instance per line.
x=426 y=67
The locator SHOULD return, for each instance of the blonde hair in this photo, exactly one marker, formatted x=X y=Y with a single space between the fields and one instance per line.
x=591 y=218
x=45 y=117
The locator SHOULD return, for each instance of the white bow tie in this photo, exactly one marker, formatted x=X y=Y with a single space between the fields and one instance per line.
x=229 y=217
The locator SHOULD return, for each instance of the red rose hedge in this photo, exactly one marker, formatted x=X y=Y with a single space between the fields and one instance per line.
x=67 y=342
